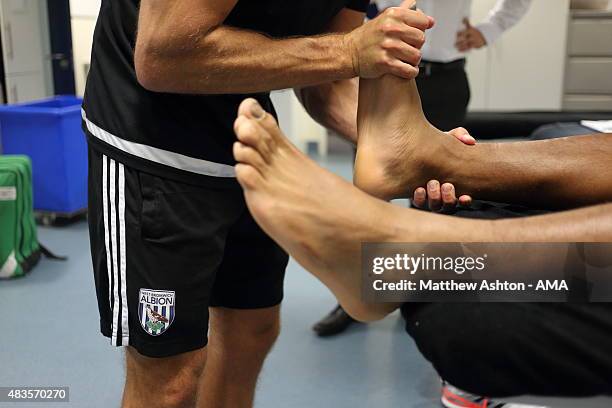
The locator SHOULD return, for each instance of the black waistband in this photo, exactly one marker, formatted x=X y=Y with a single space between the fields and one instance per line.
x=428 y=68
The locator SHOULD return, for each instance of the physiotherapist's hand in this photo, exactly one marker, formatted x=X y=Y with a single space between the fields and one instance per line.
x=389 y=44
x=469 y=38
x=442 y=198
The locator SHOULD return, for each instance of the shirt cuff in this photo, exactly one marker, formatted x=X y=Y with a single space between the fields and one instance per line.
x=490 y=31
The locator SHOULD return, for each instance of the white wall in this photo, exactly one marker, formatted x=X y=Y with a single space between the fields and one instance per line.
x=84 y=14
x=84 y=8
x=525 y=69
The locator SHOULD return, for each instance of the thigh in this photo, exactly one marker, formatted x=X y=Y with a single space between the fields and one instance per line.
x=237 y=328
x=156 y=247
x=497 y=349
x=252 y=272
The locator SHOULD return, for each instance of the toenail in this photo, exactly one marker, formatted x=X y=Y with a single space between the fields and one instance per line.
x=257 y=110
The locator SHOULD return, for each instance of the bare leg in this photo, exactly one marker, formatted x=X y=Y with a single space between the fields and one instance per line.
x=399 y=150
x=239 y=343
x=321 y=220
x=169 y=382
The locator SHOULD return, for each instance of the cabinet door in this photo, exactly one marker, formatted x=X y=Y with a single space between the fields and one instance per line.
x=25 y=36
x=589 y=75
x=25 y=87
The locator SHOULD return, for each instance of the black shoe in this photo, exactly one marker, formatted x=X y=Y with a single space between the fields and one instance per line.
x=334 y=323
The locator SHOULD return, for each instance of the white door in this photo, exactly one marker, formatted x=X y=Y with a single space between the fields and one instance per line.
x=25 y=48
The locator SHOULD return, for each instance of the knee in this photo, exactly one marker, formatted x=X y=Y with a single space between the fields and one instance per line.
x=244 y=333
x=261 y=337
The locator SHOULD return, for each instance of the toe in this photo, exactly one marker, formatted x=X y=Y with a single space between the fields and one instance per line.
x=253 y=110
x=248 y=176
x=246 y=107
x=250 y=133
x=247 y=155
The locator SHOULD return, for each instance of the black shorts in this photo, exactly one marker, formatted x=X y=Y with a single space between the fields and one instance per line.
x=164 y=252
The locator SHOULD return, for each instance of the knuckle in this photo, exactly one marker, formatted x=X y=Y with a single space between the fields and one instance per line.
x=388 y=27
x=421 y=40
x=387 y=44
x=385 y=60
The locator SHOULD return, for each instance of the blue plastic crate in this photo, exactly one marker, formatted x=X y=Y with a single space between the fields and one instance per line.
x=49 y=132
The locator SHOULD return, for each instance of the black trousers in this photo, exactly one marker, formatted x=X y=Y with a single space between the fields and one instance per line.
x=445 y=95
x=509 y=349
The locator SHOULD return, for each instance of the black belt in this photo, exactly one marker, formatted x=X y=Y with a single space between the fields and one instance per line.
x=428 y=68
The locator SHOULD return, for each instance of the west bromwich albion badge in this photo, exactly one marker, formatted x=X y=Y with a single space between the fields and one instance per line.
x=156 y=310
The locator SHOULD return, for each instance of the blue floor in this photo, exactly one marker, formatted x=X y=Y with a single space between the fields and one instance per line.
x=49 y=336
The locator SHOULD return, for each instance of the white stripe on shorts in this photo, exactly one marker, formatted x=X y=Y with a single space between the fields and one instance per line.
x=125 y=330
x=113 y=205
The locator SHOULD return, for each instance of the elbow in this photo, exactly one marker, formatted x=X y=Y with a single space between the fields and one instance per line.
x=148 y=72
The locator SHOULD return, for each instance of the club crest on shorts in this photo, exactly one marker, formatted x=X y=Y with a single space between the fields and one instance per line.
x=156 y=310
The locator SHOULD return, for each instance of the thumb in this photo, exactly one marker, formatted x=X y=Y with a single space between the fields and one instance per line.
x=466 y=22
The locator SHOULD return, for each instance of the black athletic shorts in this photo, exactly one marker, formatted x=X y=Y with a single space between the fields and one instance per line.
x=164 y=252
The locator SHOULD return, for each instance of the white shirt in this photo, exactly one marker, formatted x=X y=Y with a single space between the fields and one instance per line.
x=449 y=15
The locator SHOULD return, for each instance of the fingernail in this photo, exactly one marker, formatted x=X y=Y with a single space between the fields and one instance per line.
x=446 y=188
x=257 y=110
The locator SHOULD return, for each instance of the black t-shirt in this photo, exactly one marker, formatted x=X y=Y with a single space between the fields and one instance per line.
x=186 y=137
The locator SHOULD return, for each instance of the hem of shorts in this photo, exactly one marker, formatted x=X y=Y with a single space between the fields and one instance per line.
x=158 y=169
x=251 y=306
x=159 y=350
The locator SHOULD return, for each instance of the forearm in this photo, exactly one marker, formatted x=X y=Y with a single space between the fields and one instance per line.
x=333 y=105
x=557 y=173
x=227 y=60
x=504 y=15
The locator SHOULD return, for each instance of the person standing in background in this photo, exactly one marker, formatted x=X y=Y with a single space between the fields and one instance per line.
x=442 y=81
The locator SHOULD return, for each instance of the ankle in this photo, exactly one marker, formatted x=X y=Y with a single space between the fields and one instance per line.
x=433 y=159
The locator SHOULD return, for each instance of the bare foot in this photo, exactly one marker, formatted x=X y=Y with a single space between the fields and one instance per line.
x=316 y=216
x=398 y=149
